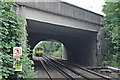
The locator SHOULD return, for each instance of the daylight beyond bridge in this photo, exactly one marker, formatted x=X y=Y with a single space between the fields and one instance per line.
x=75 y=27
x=79 y=44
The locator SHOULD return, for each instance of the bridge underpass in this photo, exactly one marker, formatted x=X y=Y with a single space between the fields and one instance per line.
x=78 y=29
x=79 y=45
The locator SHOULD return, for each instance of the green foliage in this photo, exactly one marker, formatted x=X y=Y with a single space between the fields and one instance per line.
x=57 y=53
x=112 y=30
x=12 y=34
x=50 y=46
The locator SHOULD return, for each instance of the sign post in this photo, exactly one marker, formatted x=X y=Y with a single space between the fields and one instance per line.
x=17 y=64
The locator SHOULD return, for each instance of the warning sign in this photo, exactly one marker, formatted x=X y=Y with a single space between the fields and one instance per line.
x=17 y=52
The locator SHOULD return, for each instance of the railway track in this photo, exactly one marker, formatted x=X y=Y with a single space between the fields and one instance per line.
x=51 y=71
x=46 y=69
x=40 y=69
x=57 y=69
x=86 y=71
x=64 y=71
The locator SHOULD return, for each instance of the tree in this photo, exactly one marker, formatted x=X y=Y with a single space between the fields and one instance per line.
x=50 y=46
x=112 y=30
x=12 y=34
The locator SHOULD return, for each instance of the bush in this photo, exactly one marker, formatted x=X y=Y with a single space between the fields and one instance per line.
x=112 y=31
x=57 y=53
x=13 y=34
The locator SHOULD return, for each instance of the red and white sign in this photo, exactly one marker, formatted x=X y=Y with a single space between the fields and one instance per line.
x=17 y=52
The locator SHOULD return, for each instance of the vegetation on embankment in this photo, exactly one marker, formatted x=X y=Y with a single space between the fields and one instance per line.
x=51 y=48
x=112 y=31
x=13 y=34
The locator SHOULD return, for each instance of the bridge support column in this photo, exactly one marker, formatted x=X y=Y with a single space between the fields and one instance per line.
x=101 y=45
x=64 y=52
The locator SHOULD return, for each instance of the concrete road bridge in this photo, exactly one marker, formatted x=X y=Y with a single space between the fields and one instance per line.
x=78 y=29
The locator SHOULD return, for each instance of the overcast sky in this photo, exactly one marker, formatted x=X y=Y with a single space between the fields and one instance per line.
x=92 y=5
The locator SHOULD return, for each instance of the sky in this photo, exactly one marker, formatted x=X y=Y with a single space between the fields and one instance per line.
x=92 y=5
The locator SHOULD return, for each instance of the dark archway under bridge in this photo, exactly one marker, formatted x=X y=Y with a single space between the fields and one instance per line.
x=77 y=28
x=79 y=45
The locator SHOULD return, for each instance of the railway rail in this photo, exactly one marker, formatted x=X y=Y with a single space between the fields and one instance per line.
x=67 y=71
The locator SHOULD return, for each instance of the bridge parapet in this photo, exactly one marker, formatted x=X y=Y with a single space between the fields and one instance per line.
x=66 y=9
